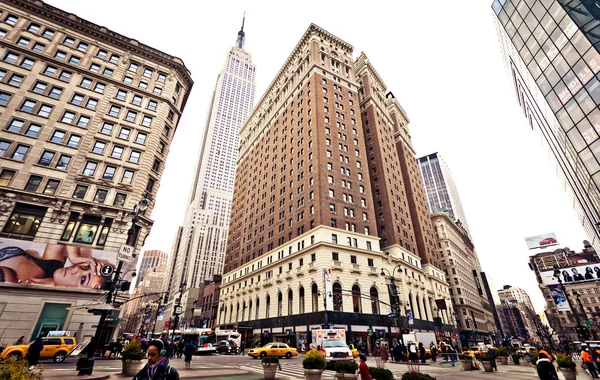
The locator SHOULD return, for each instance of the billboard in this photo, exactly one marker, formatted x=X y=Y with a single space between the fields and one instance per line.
x=572 y=275
x=57 y=265
x=560 y=300
x=541 y=241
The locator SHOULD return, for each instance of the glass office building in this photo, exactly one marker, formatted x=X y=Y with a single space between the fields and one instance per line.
x=551 y=51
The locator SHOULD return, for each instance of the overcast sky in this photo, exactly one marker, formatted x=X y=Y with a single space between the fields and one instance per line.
x=442 y=62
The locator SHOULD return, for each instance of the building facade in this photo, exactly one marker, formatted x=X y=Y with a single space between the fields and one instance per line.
x=151 y=259
x=551 y=52
x=304 y=245
x=201 y=252
x=523 y=321
x=86 y=120
x=494 y=301
x=460 y=262
x=440 y=188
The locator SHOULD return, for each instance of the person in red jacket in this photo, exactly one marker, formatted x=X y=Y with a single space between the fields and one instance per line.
x=363 y=368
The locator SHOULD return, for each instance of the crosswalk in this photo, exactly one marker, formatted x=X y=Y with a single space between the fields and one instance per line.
x=289 y=370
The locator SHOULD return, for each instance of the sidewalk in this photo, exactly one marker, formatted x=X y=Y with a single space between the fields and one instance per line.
x=183 y=374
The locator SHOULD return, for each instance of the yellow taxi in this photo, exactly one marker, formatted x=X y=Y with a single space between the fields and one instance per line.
x=56 y=348
x=273 y=349
x=475 y=351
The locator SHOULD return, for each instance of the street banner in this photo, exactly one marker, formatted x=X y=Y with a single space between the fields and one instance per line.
x=328 y=289
x=560 y=300
x=24 y=263
x=160 y=313
x=410 y=318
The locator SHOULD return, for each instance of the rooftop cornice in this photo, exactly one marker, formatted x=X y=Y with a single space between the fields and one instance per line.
x=102 y=33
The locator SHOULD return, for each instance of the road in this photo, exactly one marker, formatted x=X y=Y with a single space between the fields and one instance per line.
x=292 y=368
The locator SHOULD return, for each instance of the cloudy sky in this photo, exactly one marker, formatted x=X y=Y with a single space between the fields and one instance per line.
x=442 y=61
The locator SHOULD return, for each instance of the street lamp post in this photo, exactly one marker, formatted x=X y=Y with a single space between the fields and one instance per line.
x=395 y=297
x=117 y=284
x=178 y=307
x=562 y=287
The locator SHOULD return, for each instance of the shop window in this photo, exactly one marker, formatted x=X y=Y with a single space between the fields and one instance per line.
x=87 y=229
x=25 y=220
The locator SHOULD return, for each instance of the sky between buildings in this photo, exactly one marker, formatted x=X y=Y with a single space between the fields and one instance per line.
x=440 y=59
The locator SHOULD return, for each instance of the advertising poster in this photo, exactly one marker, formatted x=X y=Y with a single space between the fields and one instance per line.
x=328 y=289
x=56 y=265
x=410 y=318
x=541 y=241
x=160 y=313
x=571 y=275
x=560 y=300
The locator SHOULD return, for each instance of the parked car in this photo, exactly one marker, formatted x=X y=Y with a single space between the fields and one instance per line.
x=55 y=348
x=273 y=349
x=547 y=241
x=475 y=350
x=225 y=347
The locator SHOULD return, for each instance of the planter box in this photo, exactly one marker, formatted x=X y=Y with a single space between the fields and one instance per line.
x=503 y=359
x=269 y=370
x=569 y=373
x=313 y=374
x=488 y=366
x=467 y=365
x=345 y=376
x=132 y=367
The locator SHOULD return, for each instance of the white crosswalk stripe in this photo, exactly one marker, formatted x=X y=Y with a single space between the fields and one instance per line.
x=288 y=370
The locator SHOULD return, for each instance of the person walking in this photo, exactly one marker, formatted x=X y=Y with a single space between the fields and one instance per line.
x=587 y=360
x=33 y=353
x=157 y=367
x=384 y=354
x=413 y=356
x=433 y=350
x=545 y=368
x=243 y=348
x=363 y=368
x=492 y=356
x=451 y=354
x=422 y=352
x=188 y=352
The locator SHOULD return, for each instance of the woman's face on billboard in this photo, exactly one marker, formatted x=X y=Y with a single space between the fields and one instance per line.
x=81 y=275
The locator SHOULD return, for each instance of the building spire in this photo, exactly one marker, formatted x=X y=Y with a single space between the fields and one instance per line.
x=241 y=36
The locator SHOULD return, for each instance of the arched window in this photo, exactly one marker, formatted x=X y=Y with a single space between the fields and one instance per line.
x=290 y=303
x=374 y=301
x=257 y=309
x=337 y=297
x=230 y=313
x=410 y=302
x=301 y=299
x=237 y=312
x=223 y=314
x=279 y=304
x=425 y=308
x=268 y=305
x=243 y=310
x=315 y=298
x=250 y=310
x=356 y=301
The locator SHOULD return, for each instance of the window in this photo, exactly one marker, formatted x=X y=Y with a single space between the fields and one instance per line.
x=107 y=128
x=133 y=67
x=82 y=46
x=143 y=85
x=137 y=100
x=95 y=68
x=28 y=106
x=141 y=138
x=46 y=158
x=148 y=72
x=131 y=115
x=162 y=77
x=335 y=256
x=99 y=87
x=109 y=172
x=65 y=76
x=114 y=58
x=90 y=168
x=120 y=200
x=33 y=130
x=100 y=196
x=55 y=92
x=114 y=111
x=134 y=156
x=23 y=42
x=48 y=33
x=15 y=125
x=128 y=80
x=2 y=33
x=161 y=147
x=44 y=110
x=117 y=152
x=156 y=166
x=69 y=41
x=77 y=99
x=102 y=54
x=74 y=141
x=91 y=104
x=152 y=105
x=127 y=177
x=33 y=183
x=80 y=191
x=99 y=147
x=4 y=145
x=20 y=152
x=50 y=71
x=107 y=72
x=150 y=185
x=57 y=137
x=83 y=121
x=51 y=186
x=68 y=117
x=16 y=80
x=25 y=219
x=63 y=162
x=370 y=262
x=33 y=28
x=74 y=60
x=124 y=133
x=86 y=83
x=121 y=94
x=157 y=90
x=166 y=130
x=6 y=177
x=60 y=55
x=146 y=121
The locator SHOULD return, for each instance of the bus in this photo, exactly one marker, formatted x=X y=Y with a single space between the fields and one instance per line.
x=230 y=336
x=204 y=339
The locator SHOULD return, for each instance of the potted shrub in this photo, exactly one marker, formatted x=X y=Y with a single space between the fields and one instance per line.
x=346 y=369
x=516 y=358
x=270 y=365
x=486 y=360
x=502 y=354
x=534 y=359
x=313 y=364
x=467 y=362
x=566 y=366
x=381 y=373
x=416 y=376
x=19 y=369
x=132 y=357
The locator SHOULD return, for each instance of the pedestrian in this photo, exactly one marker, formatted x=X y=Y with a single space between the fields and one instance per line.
x=492 y=356
x=243 y=348
x=587 y=361
x=413 y=356
x=180 y=346
x=172 y=350
x=544 y=366
x=119 y=348
x=451 y=354
x=363 y=368
x=188 y=352
x=384 y=354
x=144 y=345
x=33 y=353
x=20 y=340
x=422 y=354
x=302 y=348
x=433 y=350
x=85 y=363
x=157 y=367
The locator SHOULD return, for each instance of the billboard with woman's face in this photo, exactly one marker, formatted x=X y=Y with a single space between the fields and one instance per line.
x=56 y=265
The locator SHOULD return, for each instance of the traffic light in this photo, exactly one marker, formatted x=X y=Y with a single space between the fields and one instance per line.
x=582 y=332
x=405 y=331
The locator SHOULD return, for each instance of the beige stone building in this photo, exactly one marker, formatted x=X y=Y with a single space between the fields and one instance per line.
x=474 y=317
x=308 y=238
x=87 y=117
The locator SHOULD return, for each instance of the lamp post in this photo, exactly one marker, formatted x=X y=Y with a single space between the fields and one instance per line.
x=325 y=295
x=178 y=310
x=576 y=294
x=395 y=302
x=118 y=284
x=562 y=287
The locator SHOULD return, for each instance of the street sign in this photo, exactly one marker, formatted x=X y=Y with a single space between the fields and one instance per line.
x=107 y=270
x=392 y=315
x=370 y=332
x=178 y=310
x=588 y=323
x=125 y=253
